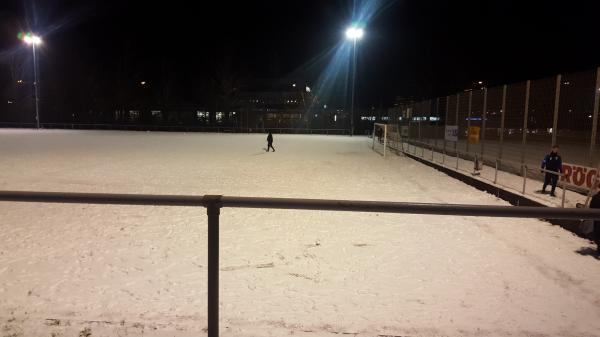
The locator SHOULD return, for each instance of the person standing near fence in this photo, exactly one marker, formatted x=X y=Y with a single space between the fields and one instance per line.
x=552 y=162
x=270 y=142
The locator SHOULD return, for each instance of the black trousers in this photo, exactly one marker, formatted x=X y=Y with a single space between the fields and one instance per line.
x=270 y=146
x=550 y=179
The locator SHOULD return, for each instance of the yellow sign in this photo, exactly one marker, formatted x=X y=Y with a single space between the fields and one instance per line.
x=474 y=134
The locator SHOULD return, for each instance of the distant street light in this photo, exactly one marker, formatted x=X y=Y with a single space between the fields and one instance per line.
x=143 y=83
x=34 y=40
x=353 y=34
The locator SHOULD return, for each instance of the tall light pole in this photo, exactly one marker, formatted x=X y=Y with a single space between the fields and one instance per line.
x=354 y=34
x=33 y=40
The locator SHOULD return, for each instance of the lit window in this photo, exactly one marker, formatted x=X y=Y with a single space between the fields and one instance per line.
x=201 y=115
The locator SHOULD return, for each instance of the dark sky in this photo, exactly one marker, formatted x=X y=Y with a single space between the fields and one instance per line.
x=412 y=48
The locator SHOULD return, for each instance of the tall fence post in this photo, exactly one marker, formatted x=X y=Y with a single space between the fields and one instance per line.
x=469 y=118
x=502 y=115
x=445 y=124
x=456 y=123
x=213 y=209
x=437 y=114
x=556 y=103
x=595 y=117
x=483 y=118
x=525 y=118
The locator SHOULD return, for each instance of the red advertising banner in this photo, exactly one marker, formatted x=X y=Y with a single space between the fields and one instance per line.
x=582 y=176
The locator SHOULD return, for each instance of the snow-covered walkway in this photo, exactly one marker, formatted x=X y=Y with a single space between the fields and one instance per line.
x=93 y=270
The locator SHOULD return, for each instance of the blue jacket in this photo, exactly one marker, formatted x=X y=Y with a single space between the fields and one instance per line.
x=552 y=162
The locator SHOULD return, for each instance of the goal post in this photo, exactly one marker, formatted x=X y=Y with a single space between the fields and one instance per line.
x=386 y=137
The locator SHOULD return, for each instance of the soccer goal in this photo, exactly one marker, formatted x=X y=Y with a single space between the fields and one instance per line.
x=386 y=137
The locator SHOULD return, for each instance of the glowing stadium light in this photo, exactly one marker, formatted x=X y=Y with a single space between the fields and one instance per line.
x=32 y=39
x=354 y=33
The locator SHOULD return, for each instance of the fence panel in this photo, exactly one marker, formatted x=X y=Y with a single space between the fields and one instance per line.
x=575 y=113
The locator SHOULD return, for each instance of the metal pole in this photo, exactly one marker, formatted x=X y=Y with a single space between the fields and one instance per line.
x=213 y=209
x=469 y=119
x=524 y=169
x=556 y=104
x=457 y=160
x=35 y=88
x=502 y=114
x=595 y=117
x=483 y=119
x=353 y=87
x=437 y=114
x=446 y=124
x=564 y=188
x=496 y=173
x=525 y=117
x=432 y=148
x=456 y=123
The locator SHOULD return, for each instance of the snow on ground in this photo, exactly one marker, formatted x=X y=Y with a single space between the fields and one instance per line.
x=97 y=270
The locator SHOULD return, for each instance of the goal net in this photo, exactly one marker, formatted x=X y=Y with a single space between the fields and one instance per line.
x=386 y=138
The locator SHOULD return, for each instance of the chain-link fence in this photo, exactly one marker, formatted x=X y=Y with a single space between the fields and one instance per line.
x=513 y=126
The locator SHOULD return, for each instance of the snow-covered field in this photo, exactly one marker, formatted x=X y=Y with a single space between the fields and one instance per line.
x=96 y=270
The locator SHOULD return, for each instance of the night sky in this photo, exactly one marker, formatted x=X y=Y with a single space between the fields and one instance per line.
x=411 y=48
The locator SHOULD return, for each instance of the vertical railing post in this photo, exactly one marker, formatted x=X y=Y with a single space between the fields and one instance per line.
x=524 y=169
x=213 y=209
x=437 y=114
x=595 y=117
x=457 y=159
x=564 y=192
x=432 y=148
x=496 y=172
x=556 y=105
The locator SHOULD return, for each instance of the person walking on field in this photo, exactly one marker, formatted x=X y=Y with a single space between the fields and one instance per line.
x=270 y=142
x=552 y=162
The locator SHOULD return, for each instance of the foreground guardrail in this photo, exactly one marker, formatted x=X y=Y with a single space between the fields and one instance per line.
x=214 y=203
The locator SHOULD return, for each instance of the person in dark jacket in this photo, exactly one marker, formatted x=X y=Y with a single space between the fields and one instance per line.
x=595 y=203
x=552 y=162
x=270 y=142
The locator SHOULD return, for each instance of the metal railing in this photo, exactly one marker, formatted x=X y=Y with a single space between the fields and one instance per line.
x=497 y=163
x=214 y=203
